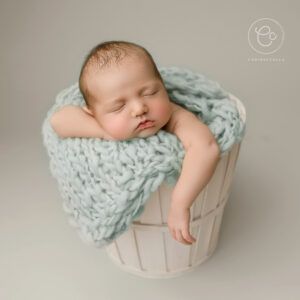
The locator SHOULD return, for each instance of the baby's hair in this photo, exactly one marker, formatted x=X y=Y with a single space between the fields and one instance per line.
x=107 y=53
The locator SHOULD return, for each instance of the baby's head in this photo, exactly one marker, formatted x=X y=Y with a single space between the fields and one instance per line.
x=122 y=87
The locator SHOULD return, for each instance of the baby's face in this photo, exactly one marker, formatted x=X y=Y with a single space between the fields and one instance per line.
x=127 y=94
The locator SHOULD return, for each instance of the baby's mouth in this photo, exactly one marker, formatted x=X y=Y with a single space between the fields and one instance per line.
x=145 y=124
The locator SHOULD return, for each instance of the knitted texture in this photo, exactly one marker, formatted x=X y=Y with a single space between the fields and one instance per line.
x=105 y=184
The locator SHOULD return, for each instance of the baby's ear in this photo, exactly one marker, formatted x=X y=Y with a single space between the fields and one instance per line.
x=87 y=110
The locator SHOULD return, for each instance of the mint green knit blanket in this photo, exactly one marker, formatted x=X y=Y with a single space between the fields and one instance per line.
x=105 y=184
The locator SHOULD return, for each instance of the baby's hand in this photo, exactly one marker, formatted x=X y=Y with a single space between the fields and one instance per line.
x=178 y=223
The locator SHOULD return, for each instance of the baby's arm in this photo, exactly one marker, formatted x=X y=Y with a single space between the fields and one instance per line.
x=202 y=154
x=73 y=121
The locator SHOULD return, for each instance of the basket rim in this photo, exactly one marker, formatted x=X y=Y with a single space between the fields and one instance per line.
x=239 y=105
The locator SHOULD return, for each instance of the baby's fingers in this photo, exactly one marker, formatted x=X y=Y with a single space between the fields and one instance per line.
x=186 y=235
x=173 y=233
x=180 y=238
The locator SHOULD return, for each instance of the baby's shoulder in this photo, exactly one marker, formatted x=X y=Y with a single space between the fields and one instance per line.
x=188 y=127
x=170 y=126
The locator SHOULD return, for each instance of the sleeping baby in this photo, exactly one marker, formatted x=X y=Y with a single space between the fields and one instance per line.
x=126 y=98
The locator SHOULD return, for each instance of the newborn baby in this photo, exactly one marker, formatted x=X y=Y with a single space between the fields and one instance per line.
x=126 y=98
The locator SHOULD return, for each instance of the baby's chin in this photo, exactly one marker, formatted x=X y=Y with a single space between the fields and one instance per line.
x=148 y=132
x=143 y=133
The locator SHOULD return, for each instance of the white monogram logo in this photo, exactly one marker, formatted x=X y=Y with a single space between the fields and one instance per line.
x=264 y=32
x=265 y=36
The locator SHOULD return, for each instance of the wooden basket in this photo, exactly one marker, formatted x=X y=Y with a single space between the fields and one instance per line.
x=147 y=249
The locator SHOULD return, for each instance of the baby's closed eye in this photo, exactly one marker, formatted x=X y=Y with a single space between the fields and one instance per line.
x=150 y=94
x=119 y=108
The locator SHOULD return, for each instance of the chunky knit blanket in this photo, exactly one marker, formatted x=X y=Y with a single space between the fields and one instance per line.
x=105 y=184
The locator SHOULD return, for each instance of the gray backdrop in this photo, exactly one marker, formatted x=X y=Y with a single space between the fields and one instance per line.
x=43 y=44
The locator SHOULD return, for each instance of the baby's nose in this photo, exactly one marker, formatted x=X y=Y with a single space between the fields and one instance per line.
x=139 y=110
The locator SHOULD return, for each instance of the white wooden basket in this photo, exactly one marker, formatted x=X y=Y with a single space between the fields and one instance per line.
x=147 y=249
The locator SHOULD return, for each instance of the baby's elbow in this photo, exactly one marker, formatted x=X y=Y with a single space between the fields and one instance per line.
x=211 y=146
x=218 y=152
x=214 y=144
x=56 y=124
x=215 y=148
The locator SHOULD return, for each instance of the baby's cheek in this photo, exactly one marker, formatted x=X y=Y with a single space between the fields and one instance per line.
x=118 y=128
x=163 y=111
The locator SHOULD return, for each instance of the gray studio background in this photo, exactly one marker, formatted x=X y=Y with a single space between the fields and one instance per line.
x=43 y=44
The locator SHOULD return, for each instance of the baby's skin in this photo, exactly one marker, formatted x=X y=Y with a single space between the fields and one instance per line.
x=127 y=94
